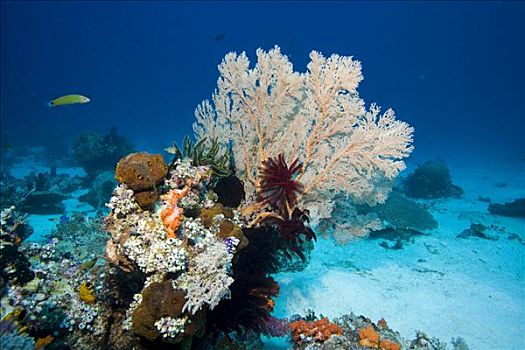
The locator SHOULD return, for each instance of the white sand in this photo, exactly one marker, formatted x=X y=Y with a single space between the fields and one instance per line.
x=471 y=288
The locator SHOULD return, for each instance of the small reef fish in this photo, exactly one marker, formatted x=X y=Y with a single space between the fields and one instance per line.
x=68 y=100
x=88 y=264
x=219 y=37
x=171 y=150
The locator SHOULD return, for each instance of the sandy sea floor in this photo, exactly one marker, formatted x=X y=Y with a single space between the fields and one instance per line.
x=443 y=285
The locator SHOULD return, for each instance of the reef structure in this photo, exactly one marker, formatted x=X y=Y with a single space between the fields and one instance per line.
x=193 y=243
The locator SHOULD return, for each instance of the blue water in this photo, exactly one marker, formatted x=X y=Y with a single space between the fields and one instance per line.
x=454 y=70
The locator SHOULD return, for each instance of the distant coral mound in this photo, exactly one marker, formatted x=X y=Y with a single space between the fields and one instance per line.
x=431 y=180
x=97 y=153
x=516 y=208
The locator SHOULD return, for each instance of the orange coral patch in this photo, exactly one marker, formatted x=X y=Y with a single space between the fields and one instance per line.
x=319 y=330
x=171 y=215
x=388 y=345
x=368 y=337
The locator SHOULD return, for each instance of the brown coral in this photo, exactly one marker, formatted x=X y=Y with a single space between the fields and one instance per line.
x=319 y=330
x=160 y=299
x=368 y=337
x=229 y=229
x=141 y=171
x=207 y=214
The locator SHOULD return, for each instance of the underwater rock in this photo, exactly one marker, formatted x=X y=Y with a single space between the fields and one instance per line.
x=119 y=337
x=431 y=180
x=44 y=203
x=515 y=209
x=101 y=190
x=141 y=171
x=97 y=153
x=395 y=235
x=401 y=213
x=84 y=237
x=477 y=230
x=230 y=191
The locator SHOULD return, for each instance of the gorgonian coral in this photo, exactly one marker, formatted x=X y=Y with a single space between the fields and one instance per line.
x=278 y=186
x=317 y=116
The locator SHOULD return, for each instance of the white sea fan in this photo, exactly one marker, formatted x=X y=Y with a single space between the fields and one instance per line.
x=316 y=116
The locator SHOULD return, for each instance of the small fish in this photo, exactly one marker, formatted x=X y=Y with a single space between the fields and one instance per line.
x=88 y=264
x=219 y=37
x=68 y=100
x=171 y=150
x=54 y=219
x=64 y=219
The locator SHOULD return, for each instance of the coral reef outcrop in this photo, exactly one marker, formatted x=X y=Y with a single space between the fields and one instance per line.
x=431 y=180
x=97 y=153
x=515 y=209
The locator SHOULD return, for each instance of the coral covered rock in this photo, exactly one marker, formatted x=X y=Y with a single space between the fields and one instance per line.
x=97 y=153
x=431 y=180
x=516 y=208
x=158 y=300
x=317 y=331
x=399 y=212
x=44 y=202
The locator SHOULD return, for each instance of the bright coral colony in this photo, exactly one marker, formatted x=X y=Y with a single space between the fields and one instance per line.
x=192 y=243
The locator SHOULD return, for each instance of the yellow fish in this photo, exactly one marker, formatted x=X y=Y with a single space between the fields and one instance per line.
x=171 y=150
x=68 y=100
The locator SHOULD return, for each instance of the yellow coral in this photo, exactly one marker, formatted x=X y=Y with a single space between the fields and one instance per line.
x=43 y=341
x=87 y=293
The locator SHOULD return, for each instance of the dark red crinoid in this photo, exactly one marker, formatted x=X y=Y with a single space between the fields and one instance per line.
x=278 y=186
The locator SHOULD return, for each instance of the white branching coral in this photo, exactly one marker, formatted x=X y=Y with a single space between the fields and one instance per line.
x=158 y=255
x=316 y=116
x=207 y=281
x=122 y=201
